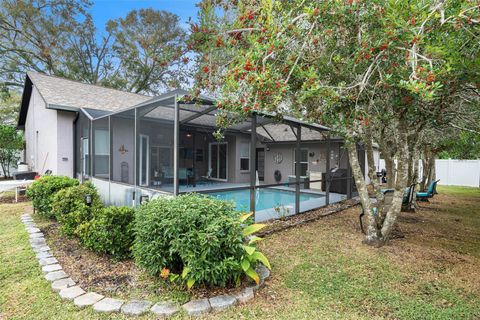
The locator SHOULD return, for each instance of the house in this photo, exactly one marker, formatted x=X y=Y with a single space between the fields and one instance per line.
x=48 y=112
x=135 y=147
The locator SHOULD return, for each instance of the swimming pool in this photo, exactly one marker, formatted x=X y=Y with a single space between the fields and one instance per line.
x=265 y=198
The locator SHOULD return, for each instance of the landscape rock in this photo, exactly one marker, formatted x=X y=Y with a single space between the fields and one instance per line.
x=87 y=299
x=37 y=235
x=197 y=307
x=61 y=284
x=44 y=254
x=47 y=261
x=245 y=295
x=56 y=275
x=38 y=242
x=71 y=292
x=51 y=267
x=222 y=302
x=108 y=305
x=40 y=249
x=136 y=307
x=164 y=309
x=33 y=230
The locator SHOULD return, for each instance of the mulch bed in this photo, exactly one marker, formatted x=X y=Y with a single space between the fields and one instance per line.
x=303 y=218
x=10 y=198
x=100 y=273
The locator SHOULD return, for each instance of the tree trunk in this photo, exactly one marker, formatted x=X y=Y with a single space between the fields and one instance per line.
x=372 y=231
x=400 y=184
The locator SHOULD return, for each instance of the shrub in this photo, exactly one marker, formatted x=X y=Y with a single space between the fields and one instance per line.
x=199 y=237
x=111 y=231
x=70 y=209
x=42 y=191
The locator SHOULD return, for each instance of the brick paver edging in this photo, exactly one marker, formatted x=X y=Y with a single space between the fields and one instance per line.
x=69 y=290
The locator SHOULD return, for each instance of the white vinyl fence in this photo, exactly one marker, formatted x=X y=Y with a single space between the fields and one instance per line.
x=453 y=172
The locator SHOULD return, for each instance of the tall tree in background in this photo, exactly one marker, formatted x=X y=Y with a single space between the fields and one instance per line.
x=143 y=52
x=11 y=143
x=361 y=67
x=150 y=47
x=34 y=36
x=9 y=107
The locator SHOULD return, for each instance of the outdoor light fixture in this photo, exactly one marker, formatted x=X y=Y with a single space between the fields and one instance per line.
x=311 y=154
x=144 y=199
x=189 y=135
x=88 y=199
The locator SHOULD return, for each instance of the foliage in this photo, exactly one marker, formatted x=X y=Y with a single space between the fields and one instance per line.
x=70 y=209
x=150 y=46
x=466 y=145
x=11 y=143
x=42 y=191
x=142 y=52
x=191 y=237
x=111 y=231
x=373 y=71
x=9 y=107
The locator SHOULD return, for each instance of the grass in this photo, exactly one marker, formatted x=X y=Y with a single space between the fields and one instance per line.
x=320 y=270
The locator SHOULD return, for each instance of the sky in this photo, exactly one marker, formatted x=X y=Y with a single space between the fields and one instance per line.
x=104 y=10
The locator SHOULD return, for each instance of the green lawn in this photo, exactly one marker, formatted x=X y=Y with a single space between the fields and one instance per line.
x=320 y=270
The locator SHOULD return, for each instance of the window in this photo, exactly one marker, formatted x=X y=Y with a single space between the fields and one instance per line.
x=303 y=162
x=244 y=156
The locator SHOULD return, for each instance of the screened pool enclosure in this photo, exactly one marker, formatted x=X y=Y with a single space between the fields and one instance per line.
x=166 y=147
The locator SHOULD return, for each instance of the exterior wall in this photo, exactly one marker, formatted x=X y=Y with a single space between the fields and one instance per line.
x=41 y=136
x=316 y=163
x=65 y=154
x=122 y=134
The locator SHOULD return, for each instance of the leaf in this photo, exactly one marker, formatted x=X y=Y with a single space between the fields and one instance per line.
x=252 y=229
x=252 y=274
x=190 y=283
x=249 y=249
x=254 y=239
x=245 y=216
x=258 y=256
x=185 y=272
x=173 y=277
x=245 y=264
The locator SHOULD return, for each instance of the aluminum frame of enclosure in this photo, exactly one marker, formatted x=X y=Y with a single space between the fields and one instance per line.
x=257 y=125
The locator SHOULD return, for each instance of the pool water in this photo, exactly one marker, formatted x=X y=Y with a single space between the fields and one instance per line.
x=264 y=199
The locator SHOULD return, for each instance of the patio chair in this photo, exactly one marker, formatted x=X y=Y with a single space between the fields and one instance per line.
x=424 y=196
x=407 y=203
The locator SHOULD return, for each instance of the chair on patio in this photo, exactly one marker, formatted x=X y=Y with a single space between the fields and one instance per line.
x=424 y=196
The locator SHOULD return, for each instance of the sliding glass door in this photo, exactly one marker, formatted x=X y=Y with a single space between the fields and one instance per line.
x=218 y=162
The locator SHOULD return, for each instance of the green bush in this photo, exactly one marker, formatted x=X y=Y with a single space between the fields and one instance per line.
x=111 y=231
x=197 y=236
x=70 y=209
x=41 y=192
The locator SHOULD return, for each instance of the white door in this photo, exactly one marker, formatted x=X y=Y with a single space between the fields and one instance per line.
x=218 y=160
x=144 y=163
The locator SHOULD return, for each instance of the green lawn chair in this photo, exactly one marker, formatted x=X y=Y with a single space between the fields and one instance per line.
x=424 y=196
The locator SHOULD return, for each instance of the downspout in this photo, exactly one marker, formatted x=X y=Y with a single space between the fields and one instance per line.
x=75 y=160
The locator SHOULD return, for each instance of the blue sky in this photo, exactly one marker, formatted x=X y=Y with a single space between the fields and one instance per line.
x=104 y=10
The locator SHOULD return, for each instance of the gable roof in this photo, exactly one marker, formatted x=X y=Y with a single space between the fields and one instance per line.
x=65 y=94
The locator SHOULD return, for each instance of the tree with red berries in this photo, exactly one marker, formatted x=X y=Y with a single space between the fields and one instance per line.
x=373 y=71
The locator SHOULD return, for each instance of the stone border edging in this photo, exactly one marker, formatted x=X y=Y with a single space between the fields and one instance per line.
x=69 y=290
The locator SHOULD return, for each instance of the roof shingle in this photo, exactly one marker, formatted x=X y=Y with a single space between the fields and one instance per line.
x=68 y=93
